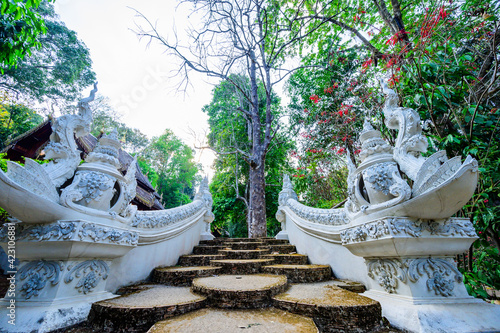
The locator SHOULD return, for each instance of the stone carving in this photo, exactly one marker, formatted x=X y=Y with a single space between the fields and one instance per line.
x=162 y=218
x=34 y=178
x=441 y=273
x=98 y=181
x=62 y=147
x=204 y=194
x=97 y=190
x=60 y=230
x=37 y=274
x=404 y=227
x=92 y=270
x=316 y=215
x=437 y=270
x=128 y=191
x=287 y=192
x=108 y=235
x=92 y=186
x=387 y=272
x=158 y=219
x=377 y=186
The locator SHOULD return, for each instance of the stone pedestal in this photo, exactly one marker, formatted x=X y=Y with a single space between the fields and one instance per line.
x=444 y=315
x=413 y=274
x=58 y=276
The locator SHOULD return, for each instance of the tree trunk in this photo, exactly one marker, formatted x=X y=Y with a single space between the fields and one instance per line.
x=256 y=218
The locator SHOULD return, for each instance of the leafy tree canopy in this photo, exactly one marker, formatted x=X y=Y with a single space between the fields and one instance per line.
x=20 y=27
x=58 y=69
x=442 y=59
x=169 y=164
x=15 y=119
x=231 y=130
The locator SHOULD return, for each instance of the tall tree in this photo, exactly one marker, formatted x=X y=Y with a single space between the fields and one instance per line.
x=229 y=128
x=15 y=119
x=170 y=164
x=249 y=37
x=20 y=27
x=58 y=69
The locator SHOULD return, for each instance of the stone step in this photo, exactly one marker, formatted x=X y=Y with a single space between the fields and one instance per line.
x=274 y=241
x=240 y=291
x=301 y=273
x=137 y=312
x=281 y=248
x=198 y=259
x=332 y=308
x=355 y=287
x=222 y=320
x=244 y=254
x=209 y=242
x=241 y=266
x=237 y=240
x=287 y=259
x=182 y=275
x=245 y=245
x=208 y=249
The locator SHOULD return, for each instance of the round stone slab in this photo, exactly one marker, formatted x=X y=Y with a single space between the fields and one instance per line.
x=301 y=273
x=182 y=275
x=142 y=309
x=243 y=254
x=287 y=259
x=241 y=266
x=218 y=320
x=240 y=291
x=332 y=308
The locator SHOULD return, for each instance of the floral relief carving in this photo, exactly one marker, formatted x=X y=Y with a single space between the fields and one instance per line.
x=92 y=270
x=37 y=274
x=404 y=227
x=60 y=230
x=387 y=272
x=108 y=235
x=162 y=218
x=93 y=184
x=316 y=215
x=441 y=274
x=380 y=177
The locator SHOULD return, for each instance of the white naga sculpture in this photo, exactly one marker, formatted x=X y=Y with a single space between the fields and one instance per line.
x=77 y=237
x=441 y=186
x=398 y=218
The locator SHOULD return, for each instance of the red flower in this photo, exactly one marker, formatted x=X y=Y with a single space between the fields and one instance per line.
x=315 y=99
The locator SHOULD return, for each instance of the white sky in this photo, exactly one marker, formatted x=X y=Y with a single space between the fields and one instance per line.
x=137 y=78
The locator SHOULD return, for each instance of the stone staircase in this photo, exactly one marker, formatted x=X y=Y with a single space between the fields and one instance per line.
x=261 y=285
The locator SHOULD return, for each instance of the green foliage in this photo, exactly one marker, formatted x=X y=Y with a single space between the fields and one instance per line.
x=441 y=58
x=58 y=69
x=15 y=119
x=105 y=119
x=230 y=186
x=326 y=111
x=485 y=271
x=169 y=165
x=20 y=27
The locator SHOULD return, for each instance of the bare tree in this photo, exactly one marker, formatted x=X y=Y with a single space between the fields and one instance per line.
x=249 y=37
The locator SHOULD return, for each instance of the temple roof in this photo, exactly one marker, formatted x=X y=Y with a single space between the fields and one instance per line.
x=31 y=144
